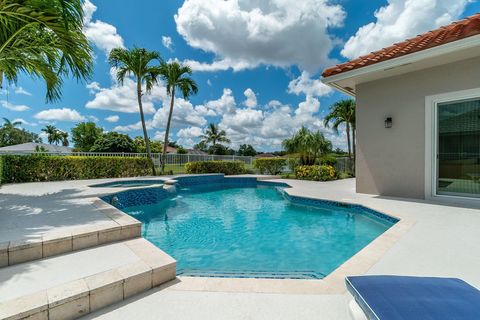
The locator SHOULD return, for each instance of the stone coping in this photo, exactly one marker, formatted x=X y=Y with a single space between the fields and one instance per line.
x=79 y=297
x=121 y=227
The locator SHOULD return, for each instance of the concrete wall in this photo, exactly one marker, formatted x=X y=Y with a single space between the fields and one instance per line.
x=391 y=162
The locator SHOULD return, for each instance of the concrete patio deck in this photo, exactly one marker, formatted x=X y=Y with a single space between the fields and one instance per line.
x=442 y=240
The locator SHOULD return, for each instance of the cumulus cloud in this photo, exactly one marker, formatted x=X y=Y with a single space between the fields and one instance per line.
x=399 y=20
x=133 y=127
x=248 y=33
x=25 y=122
x=184 y=114
x=13 y=107
x=167 y=42
x=311 y=87
x=124 y=98
x=103 y=35
x=251 y=100
x=112 y=118
x=63 y=114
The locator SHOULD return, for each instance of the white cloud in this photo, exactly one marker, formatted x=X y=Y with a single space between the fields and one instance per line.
x=133 y=127
x=402 y=19
x=190 y=132
x=305 y=85
x=251 y=101
x=22 y=91
x=63 y=114
x=167 y=42
x=101 y=34
x=14 y=107
x=159 y=136
x=124 y=98
x=184 y=113
x=248 y=33
x=112 y=118
x=226 y=103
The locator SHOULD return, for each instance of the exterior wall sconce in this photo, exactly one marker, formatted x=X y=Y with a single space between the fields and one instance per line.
x=388 y=122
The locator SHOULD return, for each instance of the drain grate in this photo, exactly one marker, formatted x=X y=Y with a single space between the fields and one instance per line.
x=252 y=274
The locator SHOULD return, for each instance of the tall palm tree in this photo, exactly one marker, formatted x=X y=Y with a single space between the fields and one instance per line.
x=214 y=135
x=52 y=134
x=138 y=62
x=343 y=112
x=308 y=145
x=176 y=77
x=64 y=136
x=44 y=39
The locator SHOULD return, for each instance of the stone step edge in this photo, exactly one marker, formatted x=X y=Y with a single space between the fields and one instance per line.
x=121 y=227
x=80 y=297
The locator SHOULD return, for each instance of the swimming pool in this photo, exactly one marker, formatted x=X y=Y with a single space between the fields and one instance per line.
x=127 y=184
x=244 y=228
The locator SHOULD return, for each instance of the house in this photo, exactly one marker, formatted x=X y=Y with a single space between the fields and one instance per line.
x=30 y=147
x=418 y=114
x=265 y=155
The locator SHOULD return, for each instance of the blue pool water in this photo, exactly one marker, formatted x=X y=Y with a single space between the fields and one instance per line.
x=254 y=231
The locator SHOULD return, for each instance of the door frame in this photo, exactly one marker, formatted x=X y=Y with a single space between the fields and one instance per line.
x=431 y=140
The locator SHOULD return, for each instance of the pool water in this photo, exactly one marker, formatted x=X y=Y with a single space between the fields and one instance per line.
x=218 y=230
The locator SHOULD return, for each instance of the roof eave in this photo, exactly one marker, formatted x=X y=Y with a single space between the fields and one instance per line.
x=447 y=48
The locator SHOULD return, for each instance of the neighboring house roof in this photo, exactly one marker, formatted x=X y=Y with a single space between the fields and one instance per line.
x=456 y=31
x=31 y=146
x=171 y=149
x=265 y=155
x=197 y=152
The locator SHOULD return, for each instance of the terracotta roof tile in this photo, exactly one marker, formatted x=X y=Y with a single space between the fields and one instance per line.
x=456 y=31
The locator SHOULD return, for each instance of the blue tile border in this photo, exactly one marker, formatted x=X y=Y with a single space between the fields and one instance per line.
x=149 y=195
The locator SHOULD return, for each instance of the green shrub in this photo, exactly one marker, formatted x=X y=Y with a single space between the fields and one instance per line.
x=34 y=168
x=328 y=161
x=293 y=163
x=270 y=165
x=225 y=167
x=316 y=173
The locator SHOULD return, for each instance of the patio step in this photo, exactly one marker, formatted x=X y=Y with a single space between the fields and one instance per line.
x=77 y=283
x=119 y=227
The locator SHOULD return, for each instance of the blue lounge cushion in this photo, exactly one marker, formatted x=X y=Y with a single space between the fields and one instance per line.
x=412 y=298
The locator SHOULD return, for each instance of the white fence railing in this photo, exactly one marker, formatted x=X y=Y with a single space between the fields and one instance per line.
x=171 y=159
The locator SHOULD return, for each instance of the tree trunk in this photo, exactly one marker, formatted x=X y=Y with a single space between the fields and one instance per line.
x=348 y=141
x=354 y=141
x=144 y=127
x=165 y=143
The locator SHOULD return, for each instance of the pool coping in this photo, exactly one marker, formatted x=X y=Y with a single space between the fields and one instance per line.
x=333 y=283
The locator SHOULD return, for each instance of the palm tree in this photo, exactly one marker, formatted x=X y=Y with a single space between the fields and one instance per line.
x=213 y=135
x=52 y=134
x=176 y=77
x=343 y=112
x=44 y=39
x=137 y=62
x=64 y=136
x=308 y=145
x=9 y=124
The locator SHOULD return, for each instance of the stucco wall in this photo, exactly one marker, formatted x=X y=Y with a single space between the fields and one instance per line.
x=392 y=161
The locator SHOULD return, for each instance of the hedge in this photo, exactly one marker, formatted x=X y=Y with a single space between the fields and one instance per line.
x=225 y=167
x=270 y=165
x=316 y=173
x=33 y=168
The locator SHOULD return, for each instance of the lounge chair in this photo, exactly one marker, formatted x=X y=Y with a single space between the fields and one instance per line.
x=412 y=298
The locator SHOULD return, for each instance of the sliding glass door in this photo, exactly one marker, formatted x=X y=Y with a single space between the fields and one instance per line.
x=458 y=148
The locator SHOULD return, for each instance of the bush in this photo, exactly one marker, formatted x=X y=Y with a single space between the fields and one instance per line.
x=225 y=167
x=328 y=161
x=270 y=165
x=34 y=168
x=293 y=163
x=315 y=173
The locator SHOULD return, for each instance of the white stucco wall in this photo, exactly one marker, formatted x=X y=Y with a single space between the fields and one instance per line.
x=391 y=161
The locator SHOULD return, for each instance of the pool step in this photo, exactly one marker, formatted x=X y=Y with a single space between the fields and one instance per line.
x=77 y=283
x=121 y=227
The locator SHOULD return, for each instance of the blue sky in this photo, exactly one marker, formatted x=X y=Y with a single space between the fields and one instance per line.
x=257 y=63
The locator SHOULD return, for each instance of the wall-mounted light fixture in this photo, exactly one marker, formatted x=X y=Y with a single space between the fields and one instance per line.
x=388 y=122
